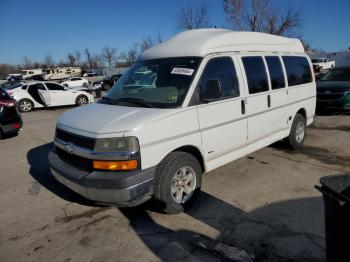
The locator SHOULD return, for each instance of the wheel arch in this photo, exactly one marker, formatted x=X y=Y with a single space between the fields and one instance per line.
x=302 y=111
x=193 y=150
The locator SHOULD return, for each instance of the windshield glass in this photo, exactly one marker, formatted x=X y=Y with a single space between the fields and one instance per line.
x=161 y=83
x=337 y=74
x=317 y=60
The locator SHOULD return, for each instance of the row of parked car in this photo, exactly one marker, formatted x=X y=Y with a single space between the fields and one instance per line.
x=16 y=97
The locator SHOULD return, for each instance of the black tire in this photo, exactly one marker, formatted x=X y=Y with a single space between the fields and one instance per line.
x=295 y=139
x=81 y=100
x=1 y=135
x=164 y=178
x=25 y=105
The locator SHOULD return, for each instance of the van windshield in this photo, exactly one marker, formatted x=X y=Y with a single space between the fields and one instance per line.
x=160 y=83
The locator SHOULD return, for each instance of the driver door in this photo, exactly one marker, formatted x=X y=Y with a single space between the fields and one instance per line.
x=45 y=97
x=223 y=123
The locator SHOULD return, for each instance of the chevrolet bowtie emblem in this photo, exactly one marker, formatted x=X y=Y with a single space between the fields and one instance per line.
x=69 y=148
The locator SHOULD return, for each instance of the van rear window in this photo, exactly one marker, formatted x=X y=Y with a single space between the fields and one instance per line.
x=298 y=70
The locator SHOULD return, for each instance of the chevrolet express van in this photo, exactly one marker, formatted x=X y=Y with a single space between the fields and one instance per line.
x=187 y=106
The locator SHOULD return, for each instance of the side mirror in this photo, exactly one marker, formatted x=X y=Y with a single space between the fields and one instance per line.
x=212 y=92
x=66 y=88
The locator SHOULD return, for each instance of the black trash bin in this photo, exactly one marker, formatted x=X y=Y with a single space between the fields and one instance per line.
x=336 y=196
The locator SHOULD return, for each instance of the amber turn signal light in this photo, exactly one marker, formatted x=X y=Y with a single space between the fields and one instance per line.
x=115 y=165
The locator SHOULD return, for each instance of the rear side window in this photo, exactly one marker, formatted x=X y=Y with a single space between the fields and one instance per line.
x=298 y=70
x=222 y=69
x=37 y=86
x=52 y=86
x=276 y=72
x=256 y=74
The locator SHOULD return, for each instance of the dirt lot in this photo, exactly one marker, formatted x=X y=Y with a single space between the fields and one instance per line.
x=264 y=203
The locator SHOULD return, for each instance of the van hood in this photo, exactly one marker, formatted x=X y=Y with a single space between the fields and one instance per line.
x=101 y=120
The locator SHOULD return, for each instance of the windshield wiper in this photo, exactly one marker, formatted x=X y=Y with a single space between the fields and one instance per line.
x=137 y=101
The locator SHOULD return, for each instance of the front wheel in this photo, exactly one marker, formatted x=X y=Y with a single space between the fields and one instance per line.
x=81 y=100
x=178 y=181
x=297 y=132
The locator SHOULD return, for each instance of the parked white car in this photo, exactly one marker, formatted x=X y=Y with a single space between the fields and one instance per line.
x=197 y=108
x=47 y=94
x=323 y=63
x=76 y=82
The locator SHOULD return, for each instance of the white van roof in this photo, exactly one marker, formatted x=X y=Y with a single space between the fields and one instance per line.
x=201 y=42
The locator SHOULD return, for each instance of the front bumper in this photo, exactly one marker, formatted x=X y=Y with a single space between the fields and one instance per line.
x=110 y=188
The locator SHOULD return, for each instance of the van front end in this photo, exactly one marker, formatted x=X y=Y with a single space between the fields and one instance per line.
x=103 y=170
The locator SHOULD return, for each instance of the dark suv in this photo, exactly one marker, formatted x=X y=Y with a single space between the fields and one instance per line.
x=106 y=83
x=333 y=90
x=10 y=119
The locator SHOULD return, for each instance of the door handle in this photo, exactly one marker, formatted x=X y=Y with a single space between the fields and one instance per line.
x=243 y=107
x=268 y=101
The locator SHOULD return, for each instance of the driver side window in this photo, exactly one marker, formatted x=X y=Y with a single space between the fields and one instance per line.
x=223 y=70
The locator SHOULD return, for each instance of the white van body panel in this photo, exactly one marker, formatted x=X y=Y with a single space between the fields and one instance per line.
x=202 y=42
x=218 y=130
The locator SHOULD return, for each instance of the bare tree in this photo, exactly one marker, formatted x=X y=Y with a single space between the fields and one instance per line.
x=192 y=17
x=77 y=56
x=6 y=69
x=262 y=16
x=131 y=55
x=48 y=61
x=146 y=43
x=89 y=58
x=71 y=59
x=109 y=55
x=159 y=38
x=27 y=63
x=97 y=61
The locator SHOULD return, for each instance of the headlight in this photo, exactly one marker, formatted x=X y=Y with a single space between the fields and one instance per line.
x=123 y=144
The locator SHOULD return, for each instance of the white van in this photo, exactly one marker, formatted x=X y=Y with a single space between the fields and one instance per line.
x=187 y=106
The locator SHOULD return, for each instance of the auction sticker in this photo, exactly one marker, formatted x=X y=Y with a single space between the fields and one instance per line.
x=182 y=71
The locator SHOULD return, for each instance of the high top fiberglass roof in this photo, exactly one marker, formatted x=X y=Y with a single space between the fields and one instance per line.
x=201 y=42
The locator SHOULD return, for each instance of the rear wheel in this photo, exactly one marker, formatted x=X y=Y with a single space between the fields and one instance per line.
x=81 y=100
x=1 y=134
x=25 y=105
x=177 y=182
x=297 y=133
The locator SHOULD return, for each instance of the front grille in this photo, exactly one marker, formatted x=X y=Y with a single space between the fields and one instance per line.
x=329 y=96
x=77 y=140
x=74 y=160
